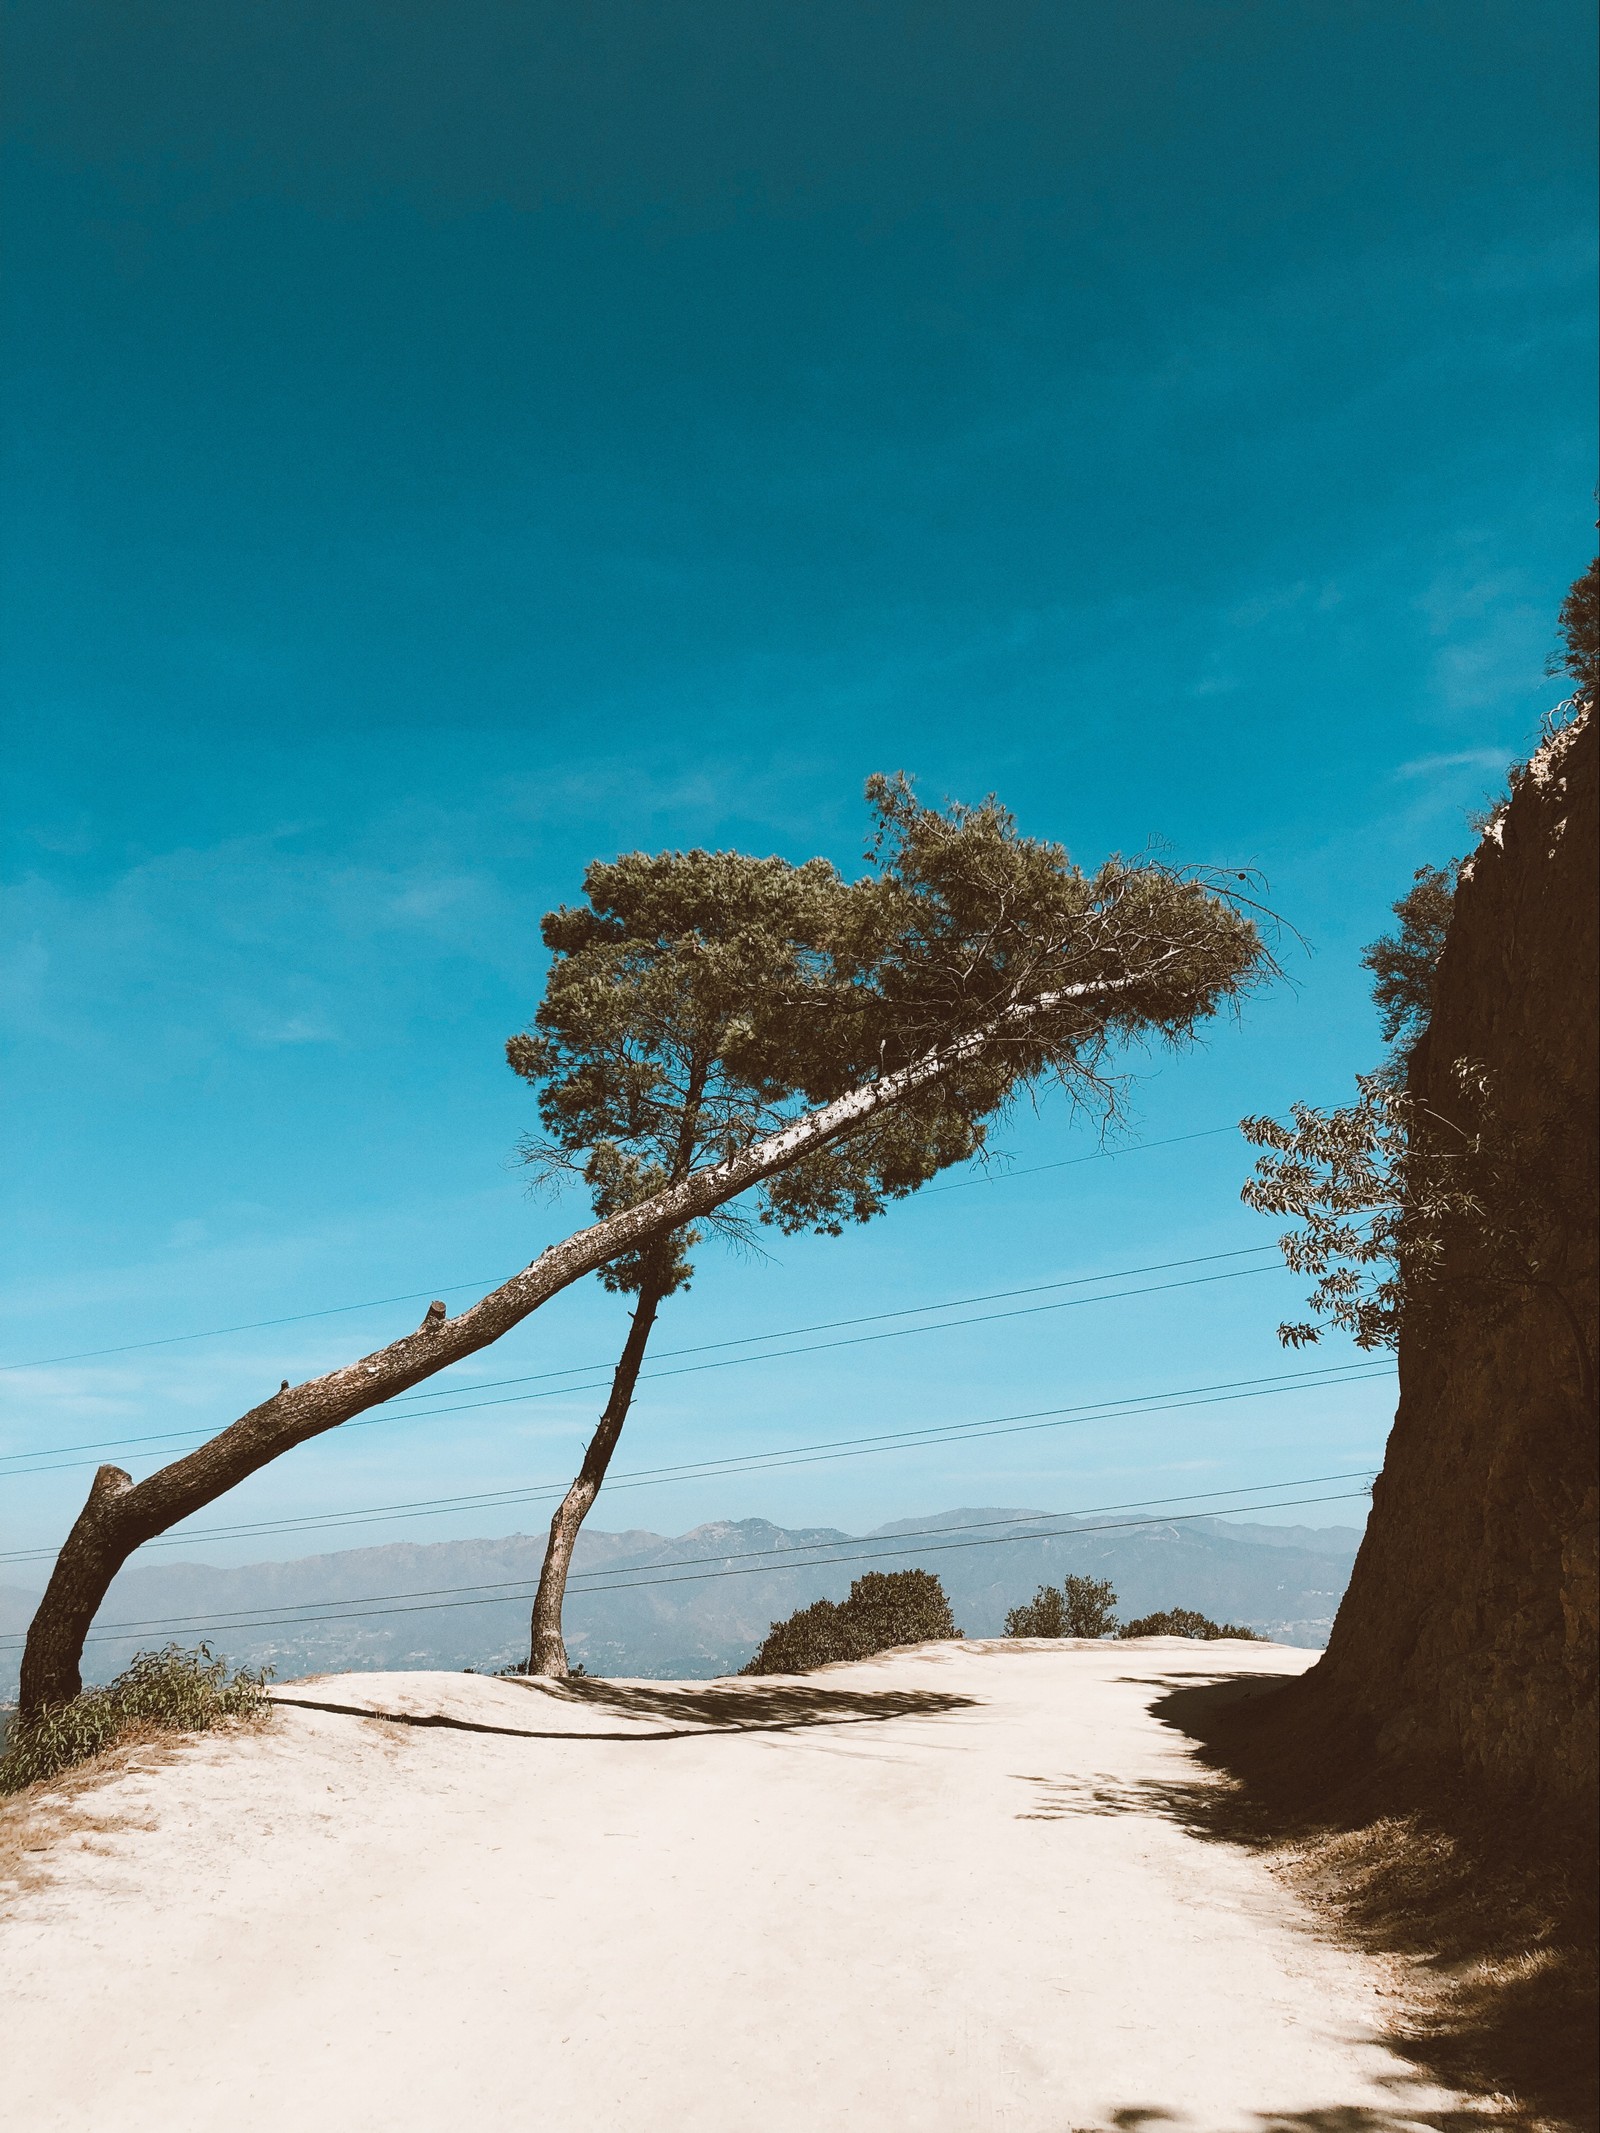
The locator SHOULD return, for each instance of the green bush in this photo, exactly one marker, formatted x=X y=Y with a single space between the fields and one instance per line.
x=1078 y=1607
x=167 y=1691
x=1184 y=1622
x=885 y=1609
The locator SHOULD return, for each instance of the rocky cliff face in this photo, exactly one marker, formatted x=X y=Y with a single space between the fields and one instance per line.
x=1468 y=1635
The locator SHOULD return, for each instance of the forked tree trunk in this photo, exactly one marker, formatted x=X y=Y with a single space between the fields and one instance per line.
x=547 y=1644
x=121 y=1514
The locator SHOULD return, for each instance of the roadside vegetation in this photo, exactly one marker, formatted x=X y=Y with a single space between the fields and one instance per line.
x=885 y=1609
x=165 y=1692
x=1077 y=1607
x=1086 y=1607
x=1434 y=1200
x=1185 y=1622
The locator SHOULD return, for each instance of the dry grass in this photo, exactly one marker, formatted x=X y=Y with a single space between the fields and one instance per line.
x=71 y=1808
x=36 y=1822
x=1484 y=1911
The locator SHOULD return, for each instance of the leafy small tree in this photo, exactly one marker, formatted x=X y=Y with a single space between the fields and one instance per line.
x=1185 y=1622
x=1077 y=1607
x=1426 y=1199
x=1577 y=655
x=886 y=1609
x=1370 y=1220
x=1407 y=1215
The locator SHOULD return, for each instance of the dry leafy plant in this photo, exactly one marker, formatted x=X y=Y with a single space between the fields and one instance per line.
x=170 y=1691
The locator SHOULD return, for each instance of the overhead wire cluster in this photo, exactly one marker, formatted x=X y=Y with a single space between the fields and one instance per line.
x=1126 y=1407
x=456 y=1288
x=446 y=1399
x=424 y=1404
x=820 y=1555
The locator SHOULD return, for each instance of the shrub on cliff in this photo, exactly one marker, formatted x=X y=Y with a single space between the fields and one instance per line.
x=885 y=1609
x=1185 y=1622
x=1078 y=1607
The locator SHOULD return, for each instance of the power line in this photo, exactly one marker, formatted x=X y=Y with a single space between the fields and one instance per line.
x=866 y=1318
x=254 y=1325
x=295 y=1318
x=375 y=1604
x=584 y=1579
x=954 y=1303
x=858 y=1340
x=405 y=1408
x=1129 y=1407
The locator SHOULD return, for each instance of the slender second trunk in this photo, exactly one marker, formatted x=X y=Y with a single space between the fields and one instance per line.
x=548 y=1650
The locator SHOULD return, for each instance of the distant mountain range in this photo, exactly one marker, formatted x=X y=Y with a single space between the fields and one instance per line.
x=691 y=1605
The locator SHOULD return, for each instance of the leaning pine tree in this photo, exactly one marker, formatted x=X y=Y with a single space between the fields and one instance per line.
x=969 y=965
x=649 y=1062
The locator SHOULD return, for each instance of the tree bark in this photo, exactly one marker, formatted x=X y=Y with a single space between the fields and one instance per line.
x=95 y=1551
x=547 y=1645
x=121 y=1515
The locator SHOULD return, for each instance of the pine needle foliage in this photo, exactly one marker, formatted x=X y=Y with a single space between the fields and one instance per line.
x=885 y=1609
x=169 y=1691
x=867 y=1035
x=699 y=1001
x=699 y=1004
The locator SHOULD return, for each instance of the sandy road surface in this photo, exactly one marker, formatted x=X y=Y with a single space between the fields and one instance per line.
x=943 y=1891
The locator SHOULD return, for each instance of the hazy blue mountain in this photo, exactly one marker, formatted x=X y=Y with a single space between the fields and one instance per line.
x=691 y=1605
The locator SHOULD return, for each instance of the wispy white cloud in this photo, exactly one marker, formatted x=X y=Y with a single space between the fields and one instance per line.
x=1432 y=766
x=251 y=942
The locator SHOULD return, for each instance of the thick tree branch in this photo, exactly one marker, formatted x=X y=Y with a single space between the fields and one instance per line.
x=121 y=1515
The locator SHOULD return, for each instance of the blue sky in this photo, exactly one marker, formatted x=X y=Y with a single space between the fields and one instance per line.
x=448 y=444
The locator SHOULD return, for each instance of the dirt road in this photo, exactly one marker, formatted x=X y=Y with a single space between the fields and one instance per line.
x=943 y=1891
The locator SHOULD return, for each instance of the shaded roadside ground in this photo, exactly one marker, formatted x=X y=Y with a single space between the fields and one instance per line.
x=1488 y=1906
x=956 y=1888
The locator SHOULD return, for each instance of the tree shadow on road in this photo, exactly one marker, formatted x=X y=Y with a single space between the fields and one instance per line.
x=1332 y=2118
x=746 y=1706
x=1486 y=1909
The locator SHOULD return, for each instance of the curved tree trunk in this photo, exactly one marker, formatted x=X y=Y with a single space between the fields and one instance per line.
x=547 y=1645
x=121 y=1515
x=95 y=1551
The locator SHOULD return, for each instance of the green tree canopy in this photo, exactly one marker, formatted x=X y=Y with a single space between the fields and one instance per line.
x=1077 y=1607
x=886 y=1609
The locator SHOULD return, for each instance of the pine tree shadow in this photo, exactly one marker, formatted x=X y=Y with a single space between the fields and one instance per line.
x=1331 y=2118
x=1197 y=1803
x=746 y=1706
